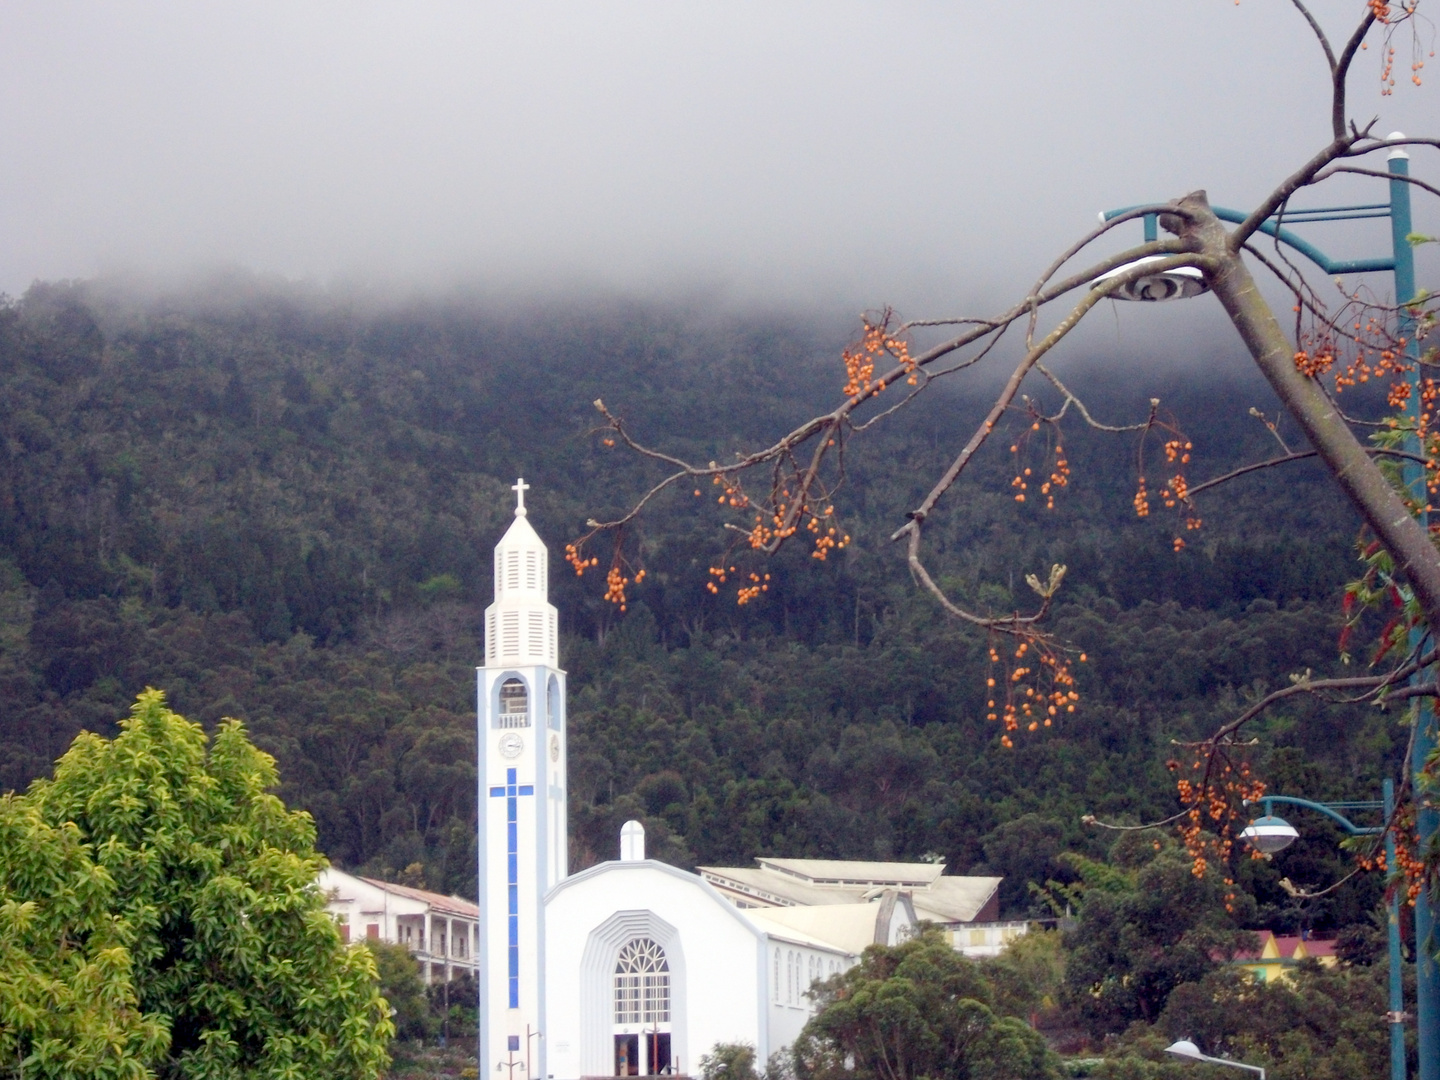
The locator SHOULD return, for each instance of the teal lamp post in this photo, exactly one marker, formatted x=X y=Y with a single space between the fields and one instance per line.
x=1271 y=833
x=1177 y=285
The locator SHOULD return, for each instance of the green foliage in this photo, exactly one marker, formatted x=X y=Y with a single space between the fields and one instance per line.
x=282 y=509
x=918 y=1009
x=1328 y=1025
x=1029 y=974
x=68 y=1005
x=195 y=891
x=403 y=990
x=1141 y=933
x=729 y=1061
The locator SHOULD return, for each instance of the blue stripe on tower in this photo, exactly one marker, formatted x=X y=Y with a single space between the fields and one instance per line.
x=512 y=842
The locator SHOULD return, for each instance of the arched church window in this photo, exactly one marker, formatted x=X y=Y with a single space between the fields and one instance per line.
x=514 y=704
x=642 y=984
x=552 y=695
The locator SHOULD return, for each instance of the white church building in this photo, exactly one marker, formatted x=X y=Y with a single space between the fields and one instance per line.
x=635 y=967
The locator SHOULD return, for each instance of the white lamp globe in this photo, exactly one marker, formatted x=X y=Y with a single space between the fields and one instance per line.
x=1177 y=283
x=1269 y=834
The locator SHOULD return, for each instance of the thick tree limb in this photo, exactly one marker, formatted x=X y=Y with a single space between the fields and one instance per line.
x=1325 y=429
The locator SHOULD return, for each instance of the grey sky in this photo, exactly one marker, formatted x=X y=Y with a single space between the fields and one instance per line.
x=929 y=155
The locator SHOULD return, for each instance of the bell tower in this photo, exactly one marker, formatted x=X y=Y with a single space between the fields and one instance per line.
x=523 y=841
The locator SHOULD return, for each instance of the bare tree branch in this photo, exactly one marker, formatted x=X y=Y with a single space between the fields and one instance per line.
x=1333 y=169
x=1299 y=455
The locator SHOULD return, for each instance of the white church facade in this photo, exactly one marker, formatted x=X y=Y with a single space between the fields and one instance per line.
x=634 y=967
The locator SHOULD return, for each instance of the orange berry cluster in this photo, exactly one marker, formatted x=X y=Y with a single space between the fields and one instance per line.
x=1031 y=705
x=718 y=573
x=1212 y=803
x=577 y=560
x=1059 y=472
x=733 y=495
x=860 y=359
x=615 y=582
x=1178 y=450
x=757 y=585
x=1374 y=354
x=830 y=540
x=1175 y=493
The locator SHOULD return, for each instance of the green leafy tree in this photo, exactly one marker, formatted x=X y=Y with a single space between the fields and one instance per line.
x=218 y=928
x=1028 y=975
x=1323 y=1024
x=1146 y=925
x=918 y=1009
x=67 y=993
x=729 y=1061
x=404 y=990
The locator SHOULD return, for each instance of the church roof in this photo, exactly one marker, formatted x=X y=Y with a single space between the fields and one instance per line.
x=847 y=872
x=786 y=883
x=849 y=928
x=521 y=534
x=446 y=905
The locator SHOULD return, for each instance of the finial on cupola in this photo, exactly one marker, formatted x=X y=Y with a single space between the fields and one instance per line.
x=520 y=487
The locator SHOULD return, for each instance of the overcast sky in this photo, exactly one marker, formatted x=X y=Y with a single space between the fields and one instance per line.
x=834 y=154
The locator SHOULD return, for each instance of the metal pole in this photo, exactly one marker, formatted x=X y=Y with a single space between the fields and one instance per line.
x=1392 y=918
x=1427 y=981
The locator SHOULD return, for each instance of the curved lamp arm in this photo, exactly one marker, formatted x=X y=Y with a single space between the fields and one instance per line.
x=1344 y=822
x=1285 y=236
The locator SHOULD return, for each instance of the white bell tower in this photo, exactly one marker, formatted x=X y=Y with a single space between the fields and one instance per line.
x=523 y=841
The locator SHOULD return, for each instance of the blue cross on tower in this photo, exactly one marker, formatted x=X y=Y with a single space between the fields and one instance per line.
x=510 y=793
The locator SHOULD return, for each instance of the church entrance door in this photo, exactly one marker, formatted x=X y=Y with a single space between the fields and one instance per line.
x=642 y=1009
x=627 y=1055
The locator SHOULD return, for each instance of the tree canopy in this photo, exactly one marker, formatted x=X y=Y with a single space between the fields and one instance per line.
x=182 y=895
x=918 y=1009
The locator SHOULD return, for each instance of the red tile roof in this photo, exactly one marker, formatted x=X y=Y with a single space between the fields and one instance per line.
x=449 y=905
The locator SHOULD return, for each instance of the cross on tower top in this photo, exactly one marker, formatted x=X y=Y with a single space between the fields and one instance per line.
x=520 y=487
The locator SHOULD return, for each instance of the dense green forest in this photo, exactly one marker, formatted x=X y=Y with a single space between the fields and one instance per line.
x=280 y=506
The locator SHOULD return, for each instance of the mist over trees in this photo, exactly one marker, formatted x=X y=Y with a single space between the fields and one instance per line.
x=281 y=508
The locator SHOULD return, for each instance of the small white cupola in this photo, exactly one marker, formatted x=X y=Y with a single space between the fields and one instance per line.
x=632 y=842
x=521 y=625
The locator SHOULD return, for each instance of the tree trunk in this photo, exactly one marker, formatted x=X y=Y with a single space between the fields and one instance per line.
x=1416 y=558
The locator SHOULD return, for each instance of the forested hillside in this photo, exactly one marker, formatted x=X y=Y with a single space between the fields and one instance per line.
x=280 y=507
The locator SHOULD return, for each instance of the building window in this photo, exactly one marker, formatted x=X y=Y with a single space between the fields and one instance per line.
x=514 y=704
x=642 y=984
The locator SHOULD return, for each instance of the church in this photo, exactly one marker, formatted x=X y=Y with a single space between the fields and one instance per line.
x=634 y=967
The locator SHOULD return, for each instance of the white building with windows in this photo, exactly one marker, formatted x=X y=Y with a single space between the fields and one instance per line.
x=442 y=932
x=634 y=967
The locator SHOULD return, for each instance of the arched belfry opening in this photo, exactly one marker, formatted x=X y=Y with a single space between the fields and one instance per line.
x=514 y=704
x=642 y=1009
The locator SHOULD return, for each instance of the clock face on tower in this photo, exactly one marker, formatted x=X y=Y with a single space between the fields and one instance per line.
x=554 y=747
x=511 y=745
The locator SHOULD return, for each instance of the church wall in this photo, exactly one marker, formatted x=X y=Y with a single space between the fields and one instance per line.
x=793 y=968
x=719 y=986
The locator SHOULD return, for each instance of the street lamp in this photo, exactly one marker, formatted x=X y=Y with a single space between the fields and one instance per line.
x=1401 y=262
x=1270 y=834
x=1187 y=1049
x=1177 y=283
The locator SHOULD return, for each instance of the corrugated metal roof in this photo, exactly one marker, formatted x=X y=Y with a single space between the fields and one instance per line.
x=847 y=872
x=936 y=898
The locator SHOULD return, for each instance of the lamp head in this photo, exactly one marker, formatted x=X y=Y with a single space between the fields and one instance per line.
x=1177 y=283
x=1269 y=834
x=1186 y=1049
